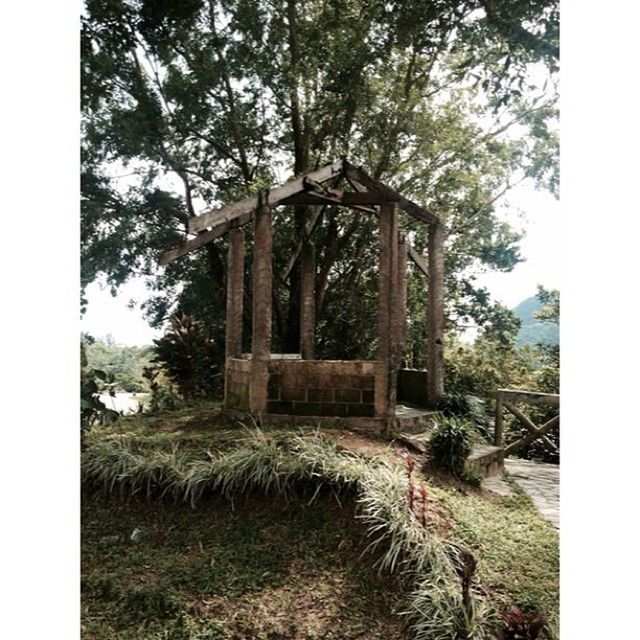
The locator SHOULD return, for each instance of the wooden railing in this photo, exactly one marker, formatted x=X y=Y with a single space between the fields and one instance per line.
x=507 y=399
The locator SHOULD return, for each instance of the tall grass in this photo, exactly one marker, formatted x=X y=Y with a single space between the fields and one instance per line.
x=279 y=465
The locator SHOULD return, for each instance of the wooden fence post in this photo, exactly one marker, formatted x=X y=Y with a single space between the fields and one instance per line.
x=497 y=436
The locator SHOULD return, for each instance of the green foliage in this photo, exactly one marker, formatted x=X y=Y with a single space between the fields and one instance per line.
x=163 y=395
x=92 y=382
x=545 y=378
x=255 y=555
x=450 y=444
x=486 y=365
x=550 y=301
x=191 y=359
x=468 y=407
x=517 y=549
x=125 y=364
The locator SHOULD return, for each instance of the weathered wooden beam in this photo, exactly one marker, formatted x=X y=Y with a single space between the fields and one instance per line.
x=401 y=286
x=336 y=196
x=418 y=260
x=271 y=197
x=528 y=423
x=523 y=442
x=262 y=288
x=530 y=397
x=356 y=174
x=498 y=431
x=204 y=237
x=435 y=315
x=305 y=199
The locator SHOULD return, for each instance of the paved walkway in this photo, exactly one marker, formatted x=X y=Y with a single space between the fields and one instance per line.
x=542 y=482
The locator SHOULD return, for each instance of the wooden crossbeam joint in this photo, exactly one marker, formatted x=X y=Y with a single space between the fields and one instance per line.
x=529 y=424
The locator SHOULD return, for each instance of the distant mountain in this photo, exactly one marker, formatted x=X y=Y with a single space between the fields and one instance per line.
x=532 y=330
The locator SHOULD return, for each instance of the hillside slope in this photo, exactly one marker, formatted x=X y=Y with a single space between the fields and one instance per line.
x=532 y=330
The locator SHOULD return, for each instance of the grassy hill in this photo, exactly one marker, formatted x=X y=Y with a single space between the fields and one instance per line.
x=532 y=330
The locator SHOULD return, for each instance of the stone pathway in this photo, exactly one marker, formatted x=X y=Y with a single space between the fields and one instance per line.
x=542 y=482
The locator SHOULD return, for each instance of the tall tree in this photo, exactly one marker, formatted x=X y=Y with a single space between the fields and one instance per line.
x=192 y=104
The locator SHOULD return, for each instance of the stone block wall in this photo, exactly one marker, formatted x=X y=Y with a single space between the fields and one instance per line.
x=321 y=388
x=238 y=373
x=412 y=386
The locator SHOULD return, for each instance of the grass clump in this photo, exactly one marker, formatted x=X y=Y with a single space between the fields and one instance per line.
x=451 y=443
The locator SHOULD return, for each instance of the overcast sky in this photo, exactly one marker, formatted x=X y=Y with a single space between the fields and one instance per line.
x=538 y=213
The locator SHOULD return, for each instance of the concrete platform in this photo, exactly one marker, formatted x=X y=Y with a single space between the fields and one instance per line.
x=409 y=419
x=486 y=460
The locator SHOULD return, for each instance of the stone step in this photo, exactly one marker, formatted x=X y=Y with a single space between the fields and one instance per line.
x=485 y=460
x=412 y=419
x=416 y=442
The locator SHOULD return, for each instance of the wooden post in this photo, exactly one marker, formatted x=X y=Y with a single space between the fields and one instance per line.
x=401 y=315
x=386 y=380
x=261 y=332
x=307 y=301
x=235 y=293
x=497 y=434
x=435 y=314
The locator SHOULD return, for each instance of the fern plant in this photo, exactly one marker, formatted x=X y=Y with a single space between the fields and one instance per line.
x=450 y=445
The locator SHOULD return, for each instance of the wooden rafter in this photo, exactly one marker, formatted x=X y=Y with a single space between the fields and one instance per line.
x=419 y=261
x=356 y=174
x=204 y=237
x=273 y=198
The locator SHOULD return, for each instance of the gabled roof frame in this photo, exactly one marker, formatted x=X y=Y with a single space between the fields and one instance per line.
x=312 y=188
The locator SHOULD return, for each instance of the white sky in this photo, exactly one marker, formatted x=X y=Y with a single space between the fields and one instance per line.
x=537 y=212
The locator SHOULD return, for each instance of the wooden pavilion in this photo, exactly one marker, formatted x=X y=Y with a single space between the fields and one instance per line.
x=296 y=387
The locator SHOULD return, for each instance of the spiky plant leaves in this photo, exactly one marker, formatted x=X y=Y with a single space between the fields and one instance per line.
x=279 y=465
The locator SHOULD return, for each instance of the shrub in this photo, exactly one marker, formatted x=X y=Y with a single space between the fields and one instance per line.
x=163 y=395
x=450 y=445
x=189 y=357
x=469 y=407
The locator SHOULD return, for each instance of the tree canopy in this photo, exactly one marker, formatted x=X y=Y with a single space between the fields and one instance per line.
x=188 y=105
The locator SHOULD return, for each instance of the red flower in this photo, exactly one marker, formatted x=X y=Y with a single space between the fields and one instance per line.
x=423 y=498
x=410 y=462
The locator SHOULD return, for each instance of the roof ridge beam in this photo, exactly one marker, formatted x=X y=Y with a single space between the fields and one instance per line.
x=358 y=175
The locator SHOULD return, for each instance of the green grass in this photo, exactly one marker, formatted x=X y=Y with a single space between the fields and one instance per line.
x=262 y=569
x=518 y=550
